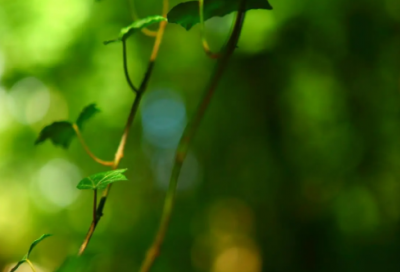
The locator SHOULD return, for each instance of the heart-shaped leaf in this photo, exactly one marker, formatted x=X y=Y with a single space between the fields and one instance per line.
x=186 y=14
x=61 y=133
x=135 y=26
x=26 y=257
x=87 y=113
x=101 y=180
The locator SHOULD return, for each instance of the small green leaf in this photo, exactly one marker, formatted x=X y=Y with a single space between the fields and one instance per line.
x=101 y=180
x=87 y=113
x=37 y=241
x=60 y=133
x=186 y=14
x=135 y=26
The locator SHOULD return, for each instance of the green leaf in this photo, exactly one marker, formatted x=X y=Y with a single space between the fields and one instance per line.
x=135 y=26
x=187 y=14
x=34 y=243
x=87 y=113
x=60 y=133
x=101 y=180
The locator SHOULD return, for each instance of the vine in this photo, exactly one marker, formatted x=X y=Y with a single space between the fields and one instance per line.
x=61 y=133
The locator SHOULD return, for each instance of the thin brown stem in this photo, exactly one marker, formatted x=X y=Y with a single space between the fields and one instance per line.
x=92 y=226
x=121 y=147
x=87 y=149
x=186 y=138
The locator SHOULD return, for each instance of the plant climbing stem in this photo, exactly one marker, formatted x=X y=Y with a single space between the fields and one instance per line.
x=121 y=147
x=135 y=106
x=186 y=138
x=87 y=149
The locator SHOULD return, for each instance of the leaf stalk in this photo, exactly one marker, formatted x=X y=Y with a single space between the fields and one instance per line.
x=204 y=42
x=87 y=149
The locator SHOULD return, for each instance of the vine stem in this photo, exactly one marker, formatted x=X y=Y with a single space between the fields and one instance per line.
x=121 y=147
x=31 y=265
x=125 y=61
x=87 y=149
x=186 y=138
x=204 y=42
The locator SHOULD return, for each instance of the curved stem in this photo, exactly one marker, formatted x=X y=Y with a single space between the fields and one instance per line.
x=121 y=147
x=31 y=265
x=128 y=79
x=96 y=159
x=186 y=138
x=135 y=17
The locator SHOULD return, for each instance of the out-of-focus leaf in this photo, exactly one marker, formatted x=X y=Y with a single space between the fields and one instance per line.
x=186 y=14
x=34 y=243
x=135 y=26
x=101 y=180
x=87 y=113
x=37 y=241
x=60 y=133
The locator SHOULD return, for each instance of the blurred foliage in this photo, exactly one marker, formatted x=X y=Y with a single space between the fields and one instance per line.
x=295 y=166
x=25 y=259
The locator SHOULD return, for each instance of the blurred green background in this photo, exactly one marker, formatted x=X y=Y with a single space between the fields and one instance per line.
x=296 y=166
